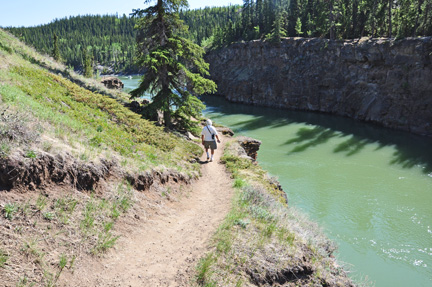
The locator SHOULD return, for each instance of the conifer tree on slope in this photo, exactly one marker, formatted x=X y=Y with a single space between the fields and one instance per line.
x=174 y=66
x=55 y=53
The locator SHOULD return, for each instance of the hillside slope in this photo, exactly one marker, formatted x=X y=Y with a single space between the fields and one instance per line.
x=70 y=163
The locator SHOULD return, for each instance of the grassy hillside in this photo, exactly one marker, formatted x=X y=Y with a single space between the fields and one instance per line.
x=57 y=127
x=61 y=112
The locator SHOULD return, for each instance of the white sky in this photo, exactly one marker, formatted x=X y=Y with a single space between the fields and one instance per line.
x=17 y=13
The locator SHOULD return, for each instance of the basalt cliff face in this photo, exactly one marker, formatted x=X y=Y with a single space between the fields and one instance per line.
x=388 y=82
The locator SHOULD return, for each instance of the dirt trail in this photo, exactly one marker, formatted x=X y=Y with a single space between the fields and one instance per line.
x=164 y=250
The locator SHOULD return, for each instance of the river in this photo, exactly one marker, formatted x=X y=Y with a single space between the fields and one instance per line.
x=369 y=188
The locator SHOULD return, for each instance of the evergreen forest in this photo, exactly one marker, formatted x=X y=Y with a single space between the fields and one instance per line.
x=109 y=41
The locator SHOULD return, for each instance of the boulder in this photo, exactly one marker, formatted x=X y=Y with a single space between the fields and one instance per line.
x=112 y=83
x=190 y=136
x=225 y=131
x=134 y=106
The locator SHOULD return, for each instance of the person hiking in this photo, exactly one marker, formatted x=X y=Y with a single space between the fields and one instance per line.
x=209 y=135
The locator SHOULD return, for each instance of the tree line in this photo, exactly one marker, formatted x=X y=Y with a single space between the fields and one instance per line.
x=110 y=40
x=332 y=19
x=107 y=40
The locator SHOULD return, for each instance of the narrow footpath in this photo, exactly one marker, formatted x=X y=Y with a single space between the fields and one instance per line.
x=164 y=249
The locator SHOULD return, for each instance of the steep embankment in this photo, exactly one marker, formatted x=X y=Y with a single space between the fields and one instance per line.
x=388 y=82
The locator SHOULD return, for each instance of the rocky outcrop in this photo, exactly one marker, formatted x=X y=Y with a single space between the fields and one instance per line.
x=250 y=146
x=388 y=82
x=225 y=131
x=112 y=83
x=137 y=107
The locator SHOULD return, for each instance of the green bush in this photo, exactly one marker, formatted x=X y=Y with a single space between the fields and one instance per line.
x=9 y=210
x=3 y=258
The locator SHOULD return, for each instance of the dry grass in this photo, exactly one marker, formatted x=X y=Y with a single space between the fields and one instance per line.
x=50 y=232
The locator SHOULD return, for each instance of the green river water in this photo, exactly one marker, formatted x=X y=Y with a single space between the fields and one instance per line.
x=369 y=188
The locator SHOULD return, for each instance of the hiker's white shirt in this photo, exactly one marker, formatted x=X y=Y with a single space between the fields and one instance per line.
x=207 y=134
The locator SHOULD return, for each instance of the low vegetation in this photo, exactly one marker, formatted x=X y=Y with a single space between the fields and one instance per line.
x=44 y=233
x=263 y=242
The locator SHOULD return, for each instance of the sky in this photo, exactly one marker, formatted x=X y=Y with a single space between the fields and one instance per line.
x=27 y=13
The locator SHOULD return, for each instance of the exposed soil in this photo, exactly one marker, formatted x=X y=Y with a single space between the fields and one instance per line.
x=163 y=248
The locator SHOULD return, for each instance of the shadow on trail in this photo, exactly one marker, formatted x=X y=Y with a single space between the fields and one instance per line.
x=410 y=150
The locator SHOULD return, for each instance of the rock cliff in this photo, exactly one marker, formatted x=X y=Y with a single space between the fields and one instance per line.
x=388 y=82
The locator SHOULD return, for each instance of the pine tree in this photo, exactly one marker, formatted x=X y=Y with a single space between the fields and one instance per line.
x=174 y=66
x=310 y=26
x=331 y=19
x=87 y=63
x=298 y=27
x=278 y=31
x=260 y=14
x=390 y=2
x=292 y=18
x=55 y=53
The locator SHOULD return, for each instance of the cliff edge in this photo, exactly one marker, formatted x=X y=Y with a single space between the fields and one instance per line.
x=388 y=82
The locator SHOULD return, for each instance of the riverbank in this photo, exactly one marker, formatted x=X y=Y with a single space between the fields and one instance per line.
x=77 y=167
x=262 y=241
x=368 y=187
x=162 y=246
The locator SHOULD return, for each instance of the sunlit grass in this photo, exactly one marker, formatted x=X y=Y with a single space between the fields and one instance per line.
x=90 y=123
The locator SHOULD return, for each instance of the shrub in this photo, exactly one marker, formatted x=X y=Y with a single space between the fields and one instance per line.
x=3 y=258
x=238 y=183
x=9 y=210
x=14 y=128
